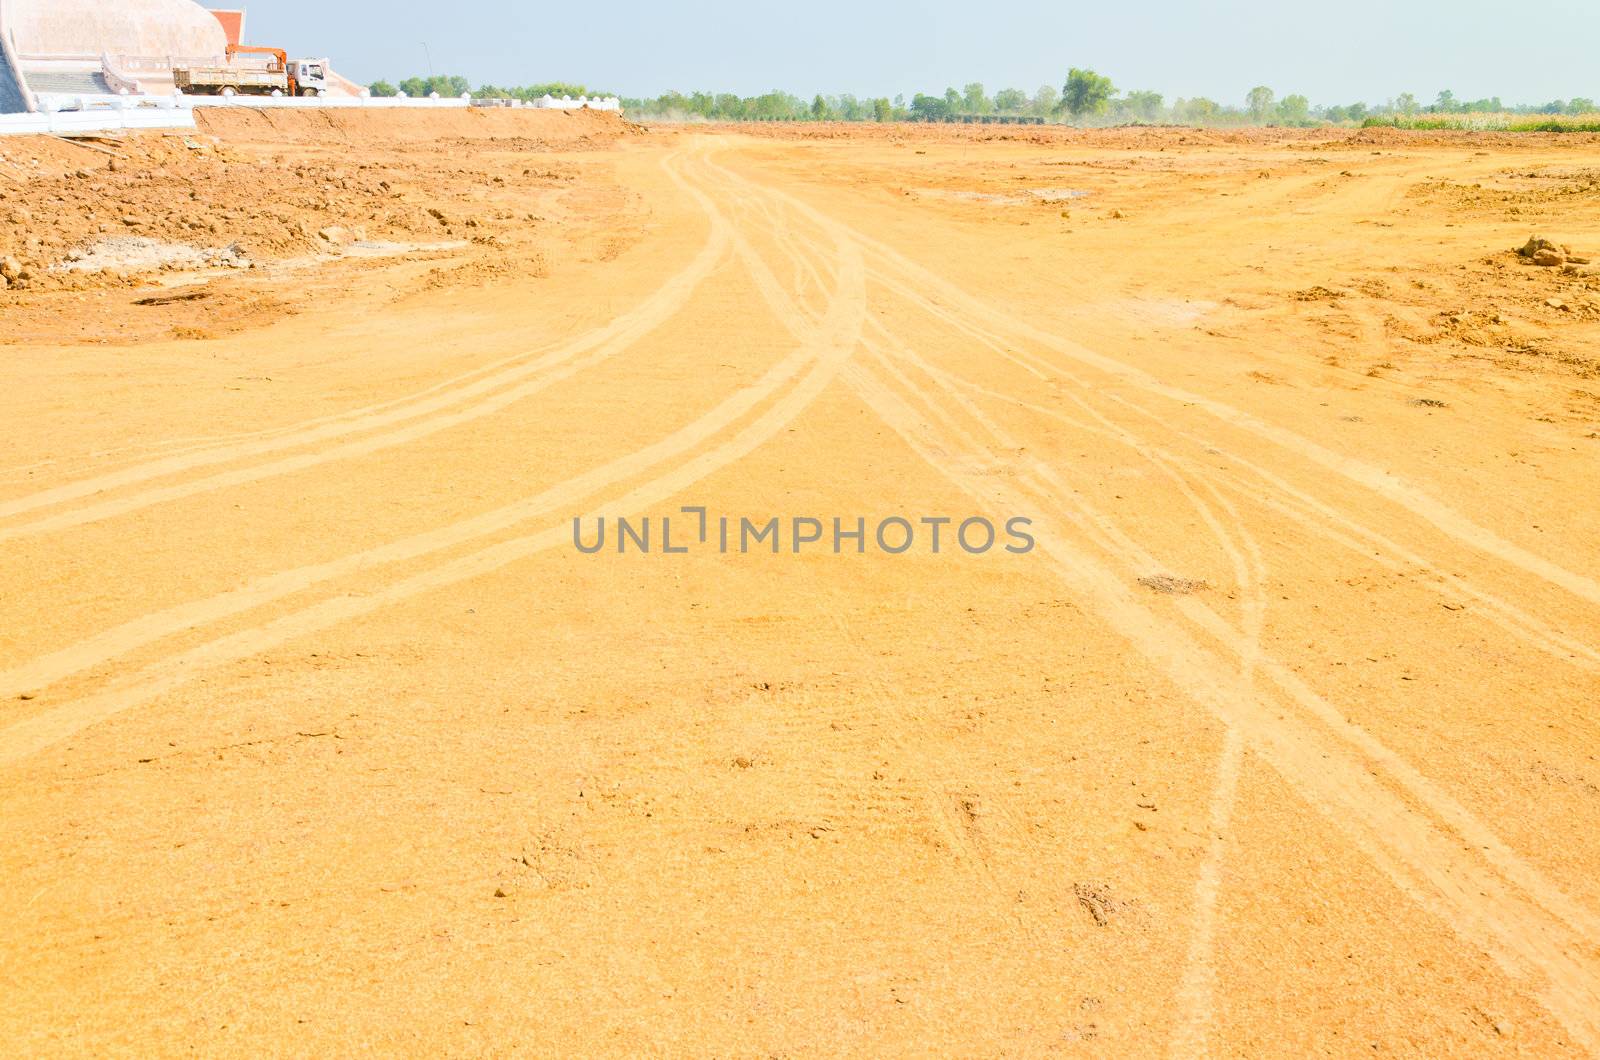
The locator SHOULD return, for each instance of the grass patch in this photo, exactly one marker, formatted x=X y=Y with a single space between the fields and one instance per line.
x=1556 y=123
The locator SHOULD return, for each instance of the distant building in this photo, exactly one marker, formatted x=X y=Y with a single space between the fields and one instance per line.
x=66 y=50
x=78 y=29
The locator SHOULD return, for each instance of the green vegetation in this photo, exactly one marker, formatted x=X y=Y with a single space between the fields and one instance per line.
x=1260 y=102
x=453 y=85
x=1487 y=122
x=1085 y=97
x=1086 y=92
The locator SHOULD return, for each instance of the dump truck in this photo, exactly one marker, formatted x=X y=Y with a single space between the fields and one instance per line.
x=290 y=77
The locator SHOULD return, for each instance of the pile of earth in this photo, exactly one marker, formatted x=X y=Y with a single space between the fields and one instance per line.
x=1548 y=254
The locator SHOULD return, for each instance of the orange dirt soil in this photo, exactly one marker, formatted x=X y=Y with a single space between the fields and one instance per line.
x=318 y=734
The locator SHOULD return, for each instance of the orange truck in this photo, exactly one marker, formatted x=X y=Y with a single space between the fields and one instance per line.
x=289 y=77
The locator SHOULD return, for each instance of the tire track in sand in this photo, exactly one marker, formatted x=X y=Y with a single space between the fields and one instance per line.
x=1195 y=996
x=1400 y=772
x=1385 y=483
x=488 y=390
x=1533 y=929
x=952 y=809
x=1534 y=944
x=818 y=361
x=1197 y=984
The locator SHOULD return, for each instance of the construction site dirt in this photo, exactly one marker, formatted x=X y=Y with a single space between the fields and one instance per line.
x=316 y=728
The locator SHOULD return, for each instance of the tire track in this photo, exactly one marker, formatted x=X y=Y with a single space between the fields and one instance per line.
x=1534 y=944
x=1314 y=516
x=1195 y=996
x=953 y=814
x=1533 y=929
x=485 y=395
x=816 y=362
x=1444 y=806
x=1387 y=484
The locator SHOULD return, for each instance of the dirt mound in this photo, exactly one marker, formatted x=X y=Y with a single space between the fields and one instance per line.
x=272 y=186
x=398 y=125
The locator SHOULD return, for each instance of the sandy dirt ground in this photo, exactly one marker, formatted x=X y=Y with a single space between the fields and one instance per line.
x=319 y=735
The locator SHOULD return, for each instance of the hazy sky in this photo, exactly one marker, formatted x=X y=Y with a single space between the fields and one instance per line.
x=1366 y=50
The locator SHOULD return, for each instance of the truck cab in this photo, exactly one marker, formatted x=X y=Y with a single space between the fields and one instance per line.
x=309 y=76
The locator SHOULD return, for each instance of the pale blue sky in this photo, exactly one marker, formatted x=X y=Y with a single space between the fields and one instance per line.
x=1336 y=52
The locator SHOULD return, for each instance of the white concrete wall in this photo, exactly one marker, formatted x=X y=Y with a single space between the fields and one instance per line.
x=109 y=120
x=61 y=113
x=581 y=103
x=48 y=101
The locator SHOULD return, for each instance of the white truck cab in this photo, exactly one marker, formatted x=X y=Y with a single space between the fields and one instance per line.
x=310 y=76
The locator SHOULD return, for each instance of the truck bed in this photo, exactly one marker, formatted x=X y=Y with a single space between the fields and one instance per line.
x=216 y=78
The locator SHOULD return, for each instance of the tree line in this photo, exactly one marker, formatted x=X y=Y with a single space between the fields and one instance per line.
x=1084 y=98
x=452 y=85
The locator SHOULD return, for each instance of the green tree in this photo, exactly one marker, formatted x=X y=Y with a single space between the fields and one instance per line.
x=382 y=88
x=1407 y=104
x=447 y=85
x=1045 y=101
x=1010 y=100
x=555 y=89
x=974 y=100
x=1197 y=111
x=672 y=102
x=1259 y=102
x=881 y=110
x=1580 y=105
x=929 y=108
x=1294 y=110
x=1085 y=92
x=819 y=109
x=775 y=106
x=1446 y=102
x=1145 y=106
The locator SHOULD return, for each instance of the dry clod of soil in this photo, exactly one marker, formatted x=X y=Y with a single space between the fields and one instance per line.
x=1096 y=900
x=1172 y=585
x=1548 y=254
